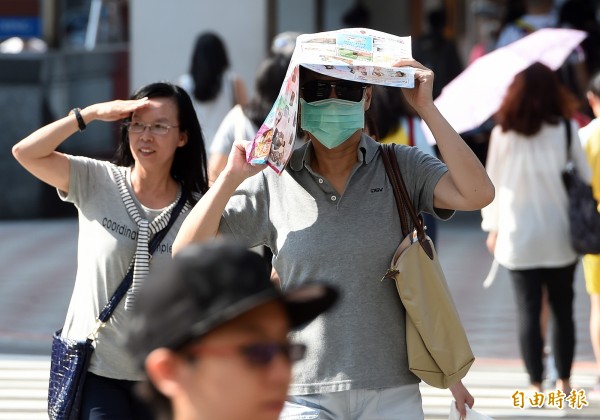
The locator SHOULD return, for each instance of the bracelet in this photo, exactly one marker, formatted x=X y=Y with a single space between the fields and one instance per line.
x=79 y=118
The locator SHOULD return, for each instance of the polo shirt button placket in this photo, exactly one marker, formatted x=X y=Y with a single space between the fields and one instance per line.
x=333 y=198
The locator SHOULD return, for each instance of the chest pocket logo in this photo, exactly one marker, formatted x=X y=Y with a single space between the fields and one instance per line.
x=376 y=190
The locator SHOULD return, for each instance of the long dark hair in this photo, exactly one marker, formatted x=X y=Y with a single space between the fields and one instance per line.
x=535 y=96
x=189 y=165
x=209 y=62
x=269 y=79
x=388 y=107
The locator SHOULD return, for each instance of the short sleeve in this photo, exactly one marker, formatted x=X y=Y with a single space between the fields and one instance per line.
x=86 y=175
x=421 y=173
x=246 y=216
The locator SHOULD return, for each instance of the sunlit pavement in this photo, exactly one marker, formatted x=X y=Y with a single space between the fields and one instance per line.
x=37 y=269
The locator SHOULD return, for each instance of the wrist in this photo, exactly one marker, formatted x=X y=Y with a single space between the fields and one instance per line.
x=427 y=110
x=81 y=124
x=229 y=180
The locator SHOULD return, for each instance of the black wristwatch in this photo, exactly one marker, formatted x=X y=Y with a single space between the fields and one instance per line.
x=79 y=118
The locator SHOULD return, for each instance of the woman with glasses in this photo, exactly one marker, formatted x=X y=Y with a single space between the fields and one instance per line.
x=229 y=356
x=160 y=162
x=329 y=215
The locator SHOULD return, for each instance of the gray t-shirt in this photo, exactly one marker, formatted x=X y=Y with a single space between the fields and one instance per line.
x=106 y=245
x=347 y=240
x=235 y=126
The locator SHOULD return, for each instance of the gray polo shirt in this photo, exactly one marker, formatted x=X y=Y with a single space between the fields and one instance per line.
x=347 y=240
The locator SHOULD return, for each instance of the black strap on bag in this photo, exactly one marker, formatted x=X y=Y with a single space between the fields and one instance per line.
x=70 y=358
x=402 y=198
x=568 y=128
x=584 y=219
x=112 y=303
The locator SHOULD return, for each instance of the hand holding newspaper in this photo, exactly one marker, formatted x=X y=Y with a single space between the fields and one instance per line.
x=355 y=54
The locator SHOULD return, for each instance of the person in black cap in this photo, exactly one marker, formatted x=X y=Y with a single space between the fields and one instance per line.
x=211 y=331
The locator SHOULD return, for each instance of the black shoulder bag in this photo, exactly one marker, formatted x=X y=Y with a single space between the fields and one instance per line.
x=70 y=358
x=584 y=218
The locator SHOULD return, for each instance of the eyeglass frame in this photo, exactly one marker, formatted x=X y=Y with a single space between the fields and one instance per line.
x=292 y=352
x=151 y=127
x=334 y=84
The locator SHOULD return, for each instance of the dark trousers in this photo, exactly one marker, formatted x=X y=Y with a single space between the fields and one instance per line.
x=111 y=399
x=528 y=286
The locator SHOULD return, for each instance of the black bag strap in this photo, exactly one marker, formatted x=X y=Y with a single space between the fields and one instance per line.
x=568 y=128
x=403 y=202
x=112 y=303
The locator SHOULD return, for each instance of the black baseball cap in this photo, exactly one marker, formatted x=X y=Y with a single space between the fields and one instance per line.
x=206 y=285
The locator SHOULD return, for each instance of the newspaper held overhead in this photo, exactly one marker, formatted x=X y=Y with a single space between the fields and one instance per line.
x=356 y=54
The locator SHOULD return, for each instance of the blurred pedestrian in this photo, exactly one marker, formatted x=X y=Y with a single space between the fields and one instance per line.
x=211 y=83
x=590 y=139
x=357 y=16
x=396 y=122
x=438 y=52
x=585 y=60
x=284 y=43
x=160 y=160
x=317 y=216
x=487 y=26
x=242 y=122
x=527 y=221
x=211 y=331
x=538 y=14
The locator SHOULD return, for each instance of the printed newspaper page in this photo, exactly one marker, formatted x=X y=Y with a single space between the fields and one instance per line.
x=356 y=54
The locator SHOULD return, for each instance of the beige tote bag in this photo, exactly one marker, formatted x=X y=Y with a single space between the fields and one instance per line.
x=438 y=348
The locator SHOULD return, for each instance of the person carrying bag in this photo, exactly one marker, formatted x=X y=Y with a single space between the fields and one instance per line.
x=438 y=348
x=70 y=358
x=158 y=174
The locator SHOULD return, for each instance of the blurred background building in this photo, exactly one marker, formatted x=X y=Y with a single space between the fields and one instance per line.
x=59 y=54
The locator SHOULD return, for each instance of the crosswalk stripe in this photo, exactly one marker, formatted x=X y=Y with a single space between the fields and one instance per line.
x=24 y=385
x=493 y=389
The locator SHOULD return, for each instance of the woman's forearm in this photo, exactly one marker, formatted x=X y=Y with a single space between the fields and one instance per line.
x=41 y=143
x=202 y=224
x=472 y=188
x=37 y=152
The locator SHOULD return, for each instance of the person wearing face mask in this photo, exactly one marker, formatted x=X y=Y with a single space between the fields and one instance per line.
x=331 y=215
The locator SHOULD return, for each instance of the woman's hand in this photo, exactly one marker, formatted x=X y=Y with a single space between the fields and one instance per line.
x=490 y=242
x=113 y=110
x=422 y=94
x=237 y=167
x=462 y=396
x=203 y=221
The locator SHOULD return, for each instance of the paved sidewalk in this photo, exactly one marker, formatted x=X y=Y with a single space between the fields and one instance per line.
x=493 y=383
x=37 y=270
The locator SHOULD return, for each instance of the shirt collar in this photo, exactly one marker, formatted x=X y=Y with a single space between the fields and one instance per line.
x=367 y=148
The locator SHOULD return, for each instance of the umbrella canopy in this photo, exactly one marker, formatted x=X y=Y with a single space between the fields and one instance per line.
x=477 y=93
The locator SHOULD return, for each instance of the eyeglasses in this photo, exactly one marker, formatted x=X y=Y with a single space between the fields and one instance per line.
x=316 y=90
x=158 y=129
x=257 y=354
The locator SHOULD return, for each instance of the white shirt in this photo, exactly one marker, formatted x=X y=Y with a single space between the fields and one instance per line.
x=586 y=132
x=529 y=211
x=235 y=126
x=211 y=113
